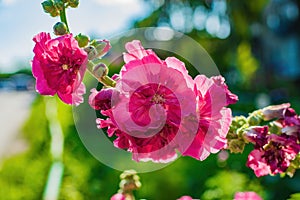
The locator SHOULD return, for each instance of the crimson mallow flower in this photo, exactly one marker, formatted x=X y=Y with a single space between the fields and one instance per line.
x=59 y=65
x=247 y=196
x=157 y=108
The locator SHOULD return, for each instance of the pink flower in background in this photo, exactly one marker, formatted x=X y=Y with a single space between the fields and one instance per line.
x=258 y=163
x=185 y=198
x=214 y=119
x=118 y=196
x=154 y=100
x=275 y=158
x=59 y=66
x=274 y=153
x=247 y=196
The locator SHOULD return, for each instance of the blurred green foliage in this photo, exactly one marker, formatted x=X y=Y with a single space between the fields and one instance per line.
x=23 y=176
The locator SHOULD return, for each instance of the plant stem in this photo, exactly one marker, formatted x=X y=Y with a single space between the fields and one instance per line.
x=106 y=80
x=63 y=17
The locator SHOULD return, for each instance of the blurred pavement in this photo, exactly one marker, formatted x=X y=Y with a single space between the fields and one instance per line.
x=14 y=110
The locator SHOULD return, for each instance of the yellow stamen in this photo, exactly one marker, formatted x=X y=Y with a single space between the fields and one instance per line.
x=158 y=99
x=65 y=67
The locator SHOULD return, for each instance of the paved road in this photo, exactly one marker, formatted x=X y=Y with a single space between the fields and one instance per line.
x=14 y=110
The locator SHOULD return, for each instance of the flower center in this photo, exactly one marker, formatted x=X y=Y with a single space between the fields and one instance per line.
x=157 y=99
x=65 y=67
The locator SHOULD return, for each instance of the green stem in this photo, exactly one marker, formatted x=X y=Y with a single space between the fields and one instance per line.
x=107 y=81
x=63 y=17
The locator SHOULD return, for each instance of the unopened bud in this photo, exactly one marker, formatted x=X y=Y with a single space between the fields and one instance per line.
x=236 y=146
x=275 y=127
x=59 y=4
x=82 y=40
x=91 y=51
x=255 y=118
x=129 y=181
x=257 y=135
x=49 y=7
x=276 y=111
x=100 y=70
x=60 y=28
x=102 y=47
x=73 y=3
x=128 y=174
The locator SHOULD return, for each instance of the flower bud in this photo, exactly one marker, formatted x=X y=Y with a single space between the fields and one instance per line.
x=49 y=7
x=129 y=181
x=73 y=3
x=82 y=40
x=276 y=111
x=60 y=28
x=255 y=118
x=275 y=127
x=101 y=100
x=100 y=70
x=257 y=135
x=291 y=130
x=102 y=47
x=236 y=145
x=91 y=51
x=59 y=4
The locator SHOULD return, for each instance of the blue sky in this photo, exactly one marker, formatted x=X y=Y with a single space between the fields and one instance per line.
x=20 y=20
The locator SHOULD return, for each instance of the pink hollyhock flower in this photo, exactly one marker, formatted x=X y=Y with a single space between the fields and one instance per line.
x=275 y=158
x=118 y=196
x=159 y=108
x=247 y=196
x=59 y=66
x=214 y=119
x=185 y=198
x=274 y=152
x=153 y=105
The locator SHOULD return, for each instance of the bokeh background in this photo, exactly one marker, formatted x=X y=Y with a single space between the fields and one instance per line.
x=255 y=44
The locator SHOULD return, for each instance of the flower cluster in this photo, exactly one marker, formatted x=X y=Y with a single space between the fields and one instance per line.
x=276 y=144
x=156 y=108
